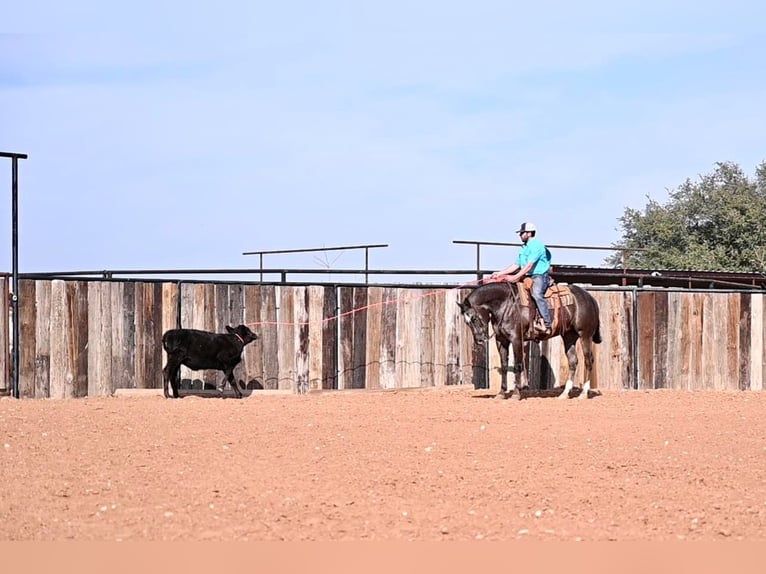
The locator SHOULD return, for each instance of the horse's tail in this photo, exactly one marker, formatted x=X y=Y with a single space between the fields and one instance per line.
x=597 y=333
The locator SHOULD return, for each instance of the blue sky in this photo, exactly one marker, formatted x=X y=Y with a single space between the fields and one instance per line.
x=163 y=136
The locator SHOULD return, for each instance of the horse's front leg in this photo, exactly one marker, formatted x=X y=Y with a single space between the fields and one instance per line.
x=519 y=368
x=502 y=349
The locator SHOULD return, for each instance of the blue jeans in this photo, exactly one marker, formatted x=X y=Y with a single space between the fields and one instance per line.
x=539 y=286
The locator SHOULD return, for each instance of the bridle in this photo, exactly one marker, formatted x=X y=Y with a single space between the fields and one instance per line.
x=500 y=316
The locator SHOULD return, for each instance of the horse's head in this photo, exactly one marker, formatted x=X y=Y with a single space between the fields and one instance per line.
x=477 y=319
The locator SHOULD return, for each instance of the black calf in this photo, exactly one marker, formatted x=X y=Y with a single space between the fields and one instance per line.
x=203 y=350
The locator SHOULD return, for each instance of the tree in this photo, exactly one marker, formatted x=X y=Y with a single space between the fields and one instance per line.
x=717 y=223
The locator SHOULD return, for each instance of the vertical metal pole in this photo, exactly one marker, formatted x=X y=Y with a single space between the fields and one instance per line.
x=366 y=265
x=637 y=374
x=260 y=257
x=15 y=264
x=478 y=261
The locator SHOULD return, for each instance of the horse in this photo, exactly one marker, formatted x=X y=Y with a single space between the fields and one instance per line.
x=512 y=317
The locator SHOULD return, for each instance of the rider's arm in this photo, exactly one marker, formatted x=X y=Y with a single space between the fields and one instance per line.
x=521 y=272
x=507 y=271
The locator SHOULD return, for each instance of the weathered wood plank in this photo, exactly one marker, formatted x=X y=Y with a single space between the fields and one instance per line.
x=627 y=339
x=286 y=335
x=42 y=341
x=687 y=373
x=757 y=351
x=374 y=334
x=120 y=377
x=660 y=340
x=673 y=350
x=315 y=327
x=141 y=373
x=710 y=348
x=727 y=381
x=99 y=339
x=61 y=367
x=606 y=366
x=359 y=352
x=609 y=354
x=170 y=306
x=269 y=337
x=329 y=339
x=743 y=357
x=187 y=294
x=646 y=340
x=696 y=340
x=236 y=313
x=428 y=317
x=732 y=344
x=388 y=357
x=346 y=340
x=301 y=320
x=408 y=337
x=439 y=337
x=758 y=357
x=27 y=329
x=77 y=303
x=253 y=359
x=455 y=330
x=221 y=311
x=154 y=335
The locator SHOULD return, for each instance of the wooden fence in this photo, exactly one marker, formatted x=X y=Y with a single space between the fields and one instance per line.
x=89 y=338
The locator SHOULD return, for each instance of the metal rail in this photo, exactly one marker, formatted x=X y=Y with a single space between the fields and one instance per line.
x=479 y=244
x=15 y=157
x=315 y=249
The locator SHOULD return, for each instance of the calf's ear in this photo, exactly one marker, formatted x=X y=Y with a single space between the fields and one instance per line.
x=229 y=329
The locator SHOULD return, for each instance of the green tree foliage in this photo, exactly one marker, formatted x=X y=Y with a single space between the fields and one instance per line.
x=717 y=223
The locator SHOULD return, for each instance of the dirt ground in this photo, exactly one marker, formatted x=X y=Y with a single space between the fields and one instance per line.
x=448 y=464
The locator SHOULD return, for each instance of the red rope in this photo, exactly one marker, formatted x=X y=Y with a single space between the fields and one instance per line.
x=364 y=308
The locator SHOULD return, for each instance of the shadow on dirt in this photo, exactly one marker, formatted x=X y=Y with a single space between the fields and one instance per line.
x=198 y=388
x=542 y=393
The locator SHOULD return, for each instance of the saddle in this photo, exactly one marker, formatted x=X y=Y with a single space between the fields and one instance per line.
x=556 y=296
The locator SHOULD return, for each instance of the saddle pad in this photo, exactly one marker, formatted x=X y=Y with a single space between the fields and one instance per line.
x=555 y=295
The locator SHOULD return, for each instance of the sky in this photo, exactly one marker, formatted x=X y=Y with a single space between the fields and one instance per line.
x=164 y=136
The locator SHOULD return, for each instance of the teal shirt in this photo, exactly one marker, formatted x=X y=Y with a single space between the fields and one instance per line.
x=535 y=250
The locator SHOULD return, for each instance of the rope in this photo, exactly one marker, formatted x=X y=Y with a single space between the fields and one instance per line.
x=359 y=309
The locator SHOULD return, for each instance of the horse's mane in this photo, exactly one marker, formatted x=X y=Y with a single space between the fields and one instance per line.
x=494 y=291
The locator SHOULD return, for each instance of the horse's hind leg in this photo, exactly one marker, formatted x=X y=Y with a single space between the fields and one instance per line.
x=570 y=346
x=587 y=351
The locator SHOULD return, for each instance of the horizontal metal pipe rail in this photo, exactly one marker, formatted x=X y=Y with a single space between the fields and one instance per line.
x=562 y=273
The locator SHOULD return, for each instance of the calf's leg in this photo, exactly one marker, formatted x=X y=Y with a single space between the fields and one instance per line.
x=170 y=375
x=230 y=379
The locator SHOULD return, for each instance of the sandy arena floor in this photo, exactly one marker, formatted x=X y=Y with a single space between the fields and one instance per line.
x=449 y=464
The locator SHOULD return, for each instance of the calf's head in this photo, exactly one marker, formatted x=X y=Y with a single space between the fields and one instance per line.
x=243 y=333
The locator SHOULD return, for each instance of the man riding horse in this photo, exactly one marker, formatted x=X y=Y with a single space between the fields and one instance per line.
x=533 y=261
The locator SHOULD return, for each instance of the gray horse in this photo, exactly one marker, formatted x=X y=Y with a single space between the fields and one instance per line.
x=512 y=319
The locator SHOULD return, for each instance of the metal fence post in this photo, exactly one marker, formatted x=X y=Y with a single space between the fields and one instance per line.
x=15 y=157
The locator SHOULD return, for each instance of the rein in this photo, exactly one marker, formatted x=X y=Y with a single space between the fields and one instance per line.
x=508 y=302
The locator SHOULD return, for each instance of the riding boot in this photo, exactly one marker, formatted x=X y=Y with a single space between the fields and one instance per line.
x=535 y=327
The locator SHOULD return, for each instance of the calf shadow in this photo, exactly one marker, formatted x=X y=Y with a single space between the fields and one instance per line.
x=199 y=388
